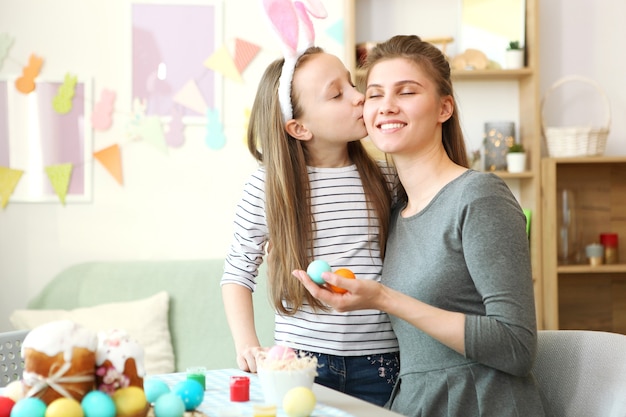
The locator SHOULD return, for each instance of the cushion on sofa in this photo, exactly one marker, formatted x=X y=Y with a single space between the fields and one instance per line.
x=145 y=320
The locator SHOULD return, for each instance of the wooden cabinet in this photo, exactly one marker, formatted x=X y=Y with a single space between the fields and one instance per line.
x=578 y=295
x=521 y=91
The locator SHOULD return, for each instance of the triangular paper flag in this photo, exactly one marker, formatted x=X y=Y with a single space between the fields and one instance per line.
x=244 y=53
x=222 y=62
x=191 y=97
x=111 y=159
x=59 y=176
x=336 y=31
x=151 y=130
x=8 y=181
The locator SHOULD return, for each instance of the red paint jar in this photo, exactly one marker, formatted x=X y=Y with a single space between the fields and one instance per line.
x=239 y=388
x=610 y=243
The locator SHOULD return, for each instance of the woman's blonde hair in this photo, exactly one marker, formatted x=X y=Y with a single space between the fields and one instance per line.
x=430 y=59
x=287 y=190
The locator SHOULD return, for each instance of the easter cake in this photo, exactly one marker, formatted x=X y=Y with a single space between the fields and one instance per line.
x=59 y=361
x=119 y=361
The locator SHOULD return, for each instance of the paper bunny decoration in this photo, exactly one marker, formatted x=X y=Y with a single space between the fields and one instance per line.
x=285 y=17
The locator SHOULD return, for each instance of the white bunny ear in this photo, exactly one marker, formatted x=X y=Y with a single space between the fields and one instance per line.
x=284 y=20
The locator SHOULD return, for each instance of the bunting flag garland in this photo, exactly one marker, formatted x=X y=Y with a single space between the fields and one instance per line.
x=111 y=160
x=244 y=53
x=59 y=176
x=8 y=181
x=191 y=97
x=336 y=31
x=222 y=62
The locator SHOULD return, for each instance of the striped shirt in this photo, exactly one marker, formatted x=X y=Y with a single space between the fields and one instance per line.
x=345 y=236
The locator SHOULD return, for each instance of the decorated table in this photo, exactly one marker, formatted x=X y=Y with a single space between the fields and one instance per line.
x=217 y=403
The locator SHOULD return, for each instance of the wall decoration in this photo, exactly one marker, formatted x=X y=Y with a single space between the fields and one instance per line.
x=169 y=45
x=498 y=137
x=53 y=150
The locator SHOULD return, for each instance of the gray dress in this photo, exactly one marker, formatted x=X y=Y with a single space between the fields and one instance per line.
x=467 y=251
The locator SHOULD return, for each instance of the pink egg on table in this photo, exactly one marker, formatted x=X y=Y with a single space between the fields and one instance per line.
x=278 y=352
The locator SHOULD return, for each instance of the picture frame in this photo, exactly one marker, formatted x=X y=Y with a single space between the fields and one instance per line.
x=168 y=52
x=34 y=136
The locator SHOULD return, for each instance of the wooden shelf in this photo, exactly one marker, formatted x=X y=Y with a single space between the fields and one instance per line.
x=588 y=269
x=494 y=75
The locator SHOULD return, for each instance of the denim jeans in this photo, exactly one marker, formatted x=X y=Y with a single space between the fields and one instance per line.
x=370 y=378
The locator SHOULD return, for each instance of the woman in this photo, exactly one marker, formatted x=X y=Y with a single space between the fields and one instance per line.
x=457 y=278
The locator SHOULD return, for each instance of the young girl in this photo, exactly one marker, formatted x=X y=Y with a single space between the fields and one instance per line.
x=317 y=195
x=457 y=277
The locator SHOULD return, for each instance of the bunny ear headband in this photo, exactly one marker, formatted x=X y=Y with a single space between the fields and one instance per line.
x=284 y=16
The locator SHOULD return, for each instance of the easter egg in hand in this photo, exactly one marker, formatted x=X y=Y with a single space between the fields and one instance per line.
x=299 y=402
x=316 y=269
x=346 y=273
x=279 y=352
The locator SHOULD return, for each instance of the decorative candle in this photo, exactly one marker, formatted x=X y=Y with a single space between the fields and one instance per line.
x=595 y=253
x=197 y=374
x=610 y=242
x=239 y=388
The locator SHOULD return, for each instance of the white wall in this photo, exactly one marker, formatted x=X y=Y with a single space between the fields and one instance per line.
x=177 y=205
x=180 y=205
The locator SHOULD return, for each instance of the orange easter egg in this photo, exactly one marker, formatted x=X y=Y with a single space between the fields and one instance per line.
x=346 y=273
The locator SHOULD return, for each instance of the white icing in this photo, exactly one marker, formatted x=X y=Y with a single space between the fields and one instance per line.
x=117 y=346
x=60 y=336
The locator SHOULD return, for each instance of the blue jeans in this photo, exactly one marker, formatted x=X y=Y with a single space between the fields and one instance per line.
x=370 y=378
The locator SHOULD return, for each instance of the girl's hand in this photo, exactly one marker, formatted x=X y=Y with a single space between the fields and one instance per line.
x=360 y=295
x=246 y=359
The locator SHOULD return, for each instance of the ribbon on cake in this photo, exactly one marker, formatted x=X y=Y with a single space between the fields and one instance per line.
x=54 y=380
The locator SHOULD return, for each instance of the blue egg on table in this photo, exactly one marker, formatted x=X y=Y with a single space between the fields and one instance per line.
x=316 y=269
x=154 y=388
x=29 y=407
x=98 y=404
x=169 y=405
x=191 y=392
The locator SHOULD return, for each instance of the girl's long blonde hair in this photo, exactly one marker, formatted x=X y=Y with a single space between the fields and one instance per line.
x=287 y=190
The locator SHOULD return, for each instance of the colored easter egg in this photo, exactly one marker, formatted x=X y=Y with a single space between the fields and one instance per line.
x=299 y=402
x=169 y=405
x=14 y=390
x=154 y=388
x=6 y=404
x=316 y=269
x=191 y=392
x=279 y=352
x=346 y=273
x=98 y=404
x=129 y=401
x=64 y=407
x=29 y=407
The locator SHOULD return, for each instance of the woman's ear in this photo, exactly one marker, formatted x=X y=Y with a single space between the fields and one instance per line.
x=447 y=108
x=298 y=130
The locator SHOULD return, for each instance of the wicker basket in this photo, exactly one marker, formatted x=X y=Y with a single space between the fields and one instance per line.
x=576 y=140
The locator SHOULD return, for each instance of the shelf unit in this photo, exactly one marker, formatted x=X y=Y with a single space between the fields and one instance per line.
x=578 y=295
x=526 y=184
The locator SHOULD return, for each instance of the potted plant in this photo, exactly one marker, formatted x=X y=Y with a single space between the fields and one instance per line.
x=516 y=158
x=514 y=58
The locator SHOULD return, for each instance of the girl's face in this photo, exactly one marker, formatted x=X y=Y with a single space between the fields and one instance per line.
x=332 y=106
x=403 y=111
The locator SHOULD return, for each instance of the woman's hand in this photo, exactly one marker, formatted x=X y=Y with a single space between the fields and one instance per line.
x=360 y=295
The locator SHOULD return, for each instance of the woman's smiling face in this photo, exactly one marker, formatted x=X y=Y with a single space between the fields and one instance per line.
x=403 y=111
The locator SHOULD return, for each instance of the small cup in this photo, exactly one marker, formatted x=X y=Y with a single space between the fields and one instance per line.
x=197 y=373
x=595 y=253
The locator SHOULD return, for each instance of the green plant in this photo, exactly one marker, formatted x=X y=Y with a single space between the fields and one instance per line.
x=514 y=45
x=516 y=148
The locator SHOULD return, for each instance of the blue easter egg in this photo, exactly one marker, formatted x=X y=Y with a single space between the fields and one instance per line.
x=191 y=392
x=154 y=388
x=169 y=405
x=29 y=407
x=98 y=404
x=315 y=270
